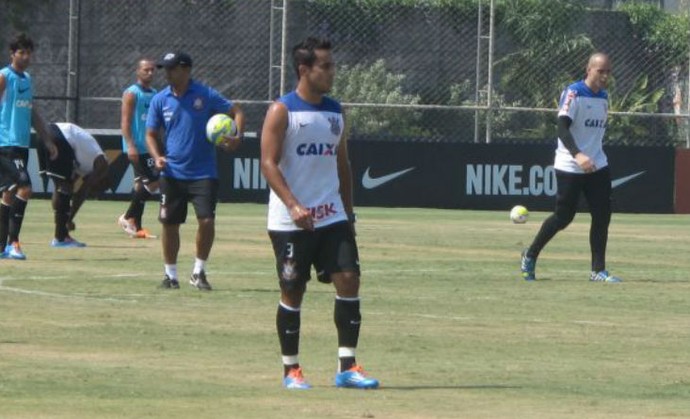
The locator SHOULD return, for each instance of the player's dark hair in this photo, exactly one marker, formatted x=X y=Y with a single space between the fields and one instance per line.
x=21 y=41
x=304 y=52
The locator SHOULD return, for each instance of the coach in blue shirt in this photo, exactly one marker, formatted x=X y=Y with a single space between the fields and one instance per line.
x=179 y=113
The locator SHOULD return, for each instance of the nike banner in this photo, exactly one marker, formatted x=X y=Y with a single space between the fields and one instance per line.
x=498 y=176
x=437 y=175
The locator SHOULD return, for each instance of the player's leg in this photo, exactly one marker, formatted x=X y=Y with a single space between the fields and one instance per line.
x=145 y=186
x=204 y=196
x=19 y=203
x=293 y=252
x=8 y=178
x=172 y=213
x=598 y=194
x=61 y=210
x=569 y=188
x=339 y=259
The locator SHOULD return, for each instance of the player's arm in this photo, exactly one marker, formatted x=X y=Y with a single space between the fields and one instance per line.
x=3 y=85
x=126 y=114
x=272 y=138
x=39 y=124
x=345 y=174
x=153 y=125
x=153 y=148
x=237 y=114
x=566 y=137
x=232 y=143
x=92 y=184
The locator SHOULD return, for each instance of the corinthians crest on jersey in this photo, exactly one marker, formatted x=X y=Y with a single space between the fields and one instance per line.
x=335 y=125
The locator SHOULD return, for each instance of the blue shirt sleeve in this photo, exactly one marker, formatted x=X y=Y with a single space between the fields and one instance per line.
x=219 y=104
x=154 y=117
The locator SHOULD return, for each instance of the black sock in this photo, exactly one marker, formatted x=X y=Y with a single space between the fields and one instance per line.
x=288 y=324
x=347 y=320
x=61 y=205
x=16 y=218
x=136 y=206
x=4 y=225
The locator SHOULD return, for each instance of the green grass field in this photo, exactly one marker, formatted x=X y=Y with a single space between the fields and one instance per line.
x=448 y=327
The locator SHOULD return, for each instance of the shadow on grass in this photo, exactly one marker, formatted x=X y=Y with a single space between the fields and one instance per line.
x=447 y=387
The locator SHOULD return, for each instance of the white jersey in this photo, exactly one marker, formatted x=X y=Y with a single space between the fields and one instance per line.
x=309 y=163
x=85 y=147
x=589 y=113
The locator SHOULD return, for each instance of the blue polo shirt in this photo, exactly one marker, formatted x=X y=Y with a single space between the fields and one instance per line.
x=190 y=156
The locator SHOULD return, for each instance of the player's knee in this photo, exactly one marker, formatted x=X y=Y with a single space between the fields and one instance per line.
x=24 y=192
x=346 y=283
x=292 y=290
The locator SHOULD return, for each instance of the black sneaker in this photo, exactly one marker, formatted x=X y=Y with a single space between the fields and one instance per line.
x=199 y=281
x=170 y=283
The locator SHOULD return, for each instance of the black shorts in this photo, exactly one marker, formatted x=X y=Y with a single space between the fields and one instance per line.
x=331 y=249
x=145 y=169
x=63 y=166
x=13 y=168
x=175 y=194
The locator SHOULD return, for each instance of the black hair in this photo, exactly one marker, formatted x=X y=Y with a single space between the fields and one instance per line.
x=303 y=53
x=21 y=41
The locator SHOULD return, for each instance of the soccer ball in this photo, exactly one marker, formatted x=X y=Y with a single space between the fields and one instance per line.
x=219 y=126
x=519 y=214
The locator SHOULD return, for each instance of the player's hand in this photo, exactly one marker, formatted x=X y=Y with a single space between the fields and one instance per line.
x=229 y=144
x=302 y=217
x=585 y=163
x=132 y=155
x=161 y=162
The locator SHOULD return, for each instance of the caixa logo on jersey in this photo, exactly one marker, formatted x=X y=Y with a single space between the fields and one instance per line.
x=510 y=180
x=317 y=149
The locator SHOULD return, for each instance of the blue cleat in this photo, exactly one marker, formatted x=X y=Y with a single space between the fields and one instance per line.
x=527 y=267
x=603 y=276
x=294 y=380
x=68 y=242
x=14 y=251
x=355 y=377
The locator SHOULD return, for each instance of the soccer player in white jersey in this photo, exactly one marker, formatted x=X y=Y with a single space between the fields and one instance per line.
x=17 y=116
x=80 y=157
x=581 y=168
x=310 y=216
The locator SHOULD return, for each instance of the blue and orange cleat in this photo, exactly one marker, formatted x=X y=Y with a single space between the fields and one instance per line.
x=355 y=377
x=294 y=380
x=14 y=251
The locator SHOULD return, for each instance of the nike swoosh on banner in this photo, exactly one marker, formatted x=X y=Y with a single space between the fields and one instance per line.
x=618 y=182
x=370 y=183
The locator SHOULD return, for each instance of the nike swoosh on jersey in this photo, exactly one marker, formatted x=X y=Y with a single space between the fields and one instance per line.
x=20 y=90
x=370 y=183
x=618 y=182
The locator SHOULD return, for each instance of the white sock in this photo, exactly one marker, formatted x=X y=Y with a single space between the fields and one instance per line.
x=171 y=270
x=290 y=359
x=199 y=265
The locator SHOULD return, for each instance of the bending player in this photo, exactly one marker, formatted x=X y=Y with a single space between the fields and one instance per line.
x=80 y=157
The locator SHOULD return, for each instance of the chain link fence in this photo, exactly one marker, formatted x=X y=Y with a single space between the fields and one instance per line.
x=431 y=70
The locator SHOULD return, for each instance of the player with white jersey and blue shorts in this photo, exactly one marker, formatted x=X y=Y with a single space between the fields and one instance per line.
x=135 y=106
x=310 y=211
x=581 y=168
x=187 y=162
x=17 y=116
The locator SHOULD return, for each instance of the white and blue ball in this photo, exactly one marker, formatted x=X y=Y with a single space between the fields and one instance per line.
x=219 y=126
x=519 y=214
